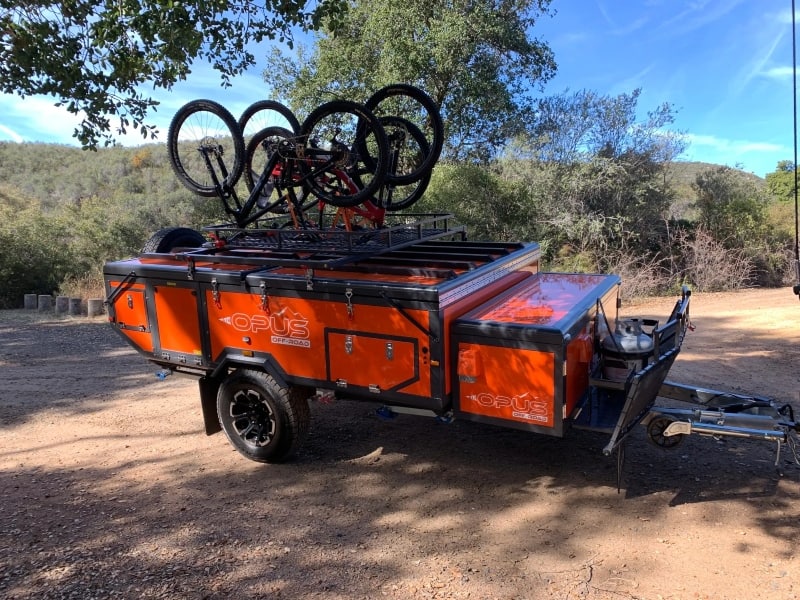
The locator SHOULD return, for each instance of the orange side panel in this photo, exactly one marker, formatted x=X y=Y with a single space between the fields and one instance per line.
x=178 y=322
x=470 y=301
x=512 y=384
x=579 y=358
x=130 y=309
x=140 y=339
x=293 y=331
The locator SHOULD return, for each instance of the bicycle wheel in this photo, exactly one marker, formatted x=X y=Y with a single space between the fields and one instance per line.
x=396 y=196
x=412 y=104
x=338 y=140
x=284 y=183
x=407 y=147
x=205 y=148
x=267 y=113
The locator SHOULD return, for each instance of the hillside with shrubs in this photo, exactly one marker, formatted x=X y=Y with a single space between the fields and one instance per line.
x=65 y=211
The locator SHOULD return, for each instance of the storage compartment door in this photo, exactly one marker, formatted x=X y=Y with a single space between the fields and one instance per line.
x=178 y=324
x=380 y=363
x=509 y=386
x=128 y=311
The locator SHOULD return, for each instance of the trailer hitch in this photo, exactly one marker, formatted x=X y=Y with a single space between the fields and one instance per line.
x=760 y=419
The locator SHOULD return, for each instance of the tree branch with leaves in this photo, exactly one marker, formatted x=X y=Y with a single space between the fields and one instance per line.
x=478 y=59
x=94 y=56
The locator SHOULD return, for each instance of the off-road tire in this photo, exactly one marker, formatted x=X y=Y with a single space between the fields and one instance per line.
x=262 y=420
x=171 y=239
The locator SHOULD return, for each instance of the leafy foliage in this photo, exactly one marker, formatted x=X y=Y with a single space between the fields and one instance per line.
x=35 y=257
x=570 y=127
x=93 y=56
x=731 y=206
x=782 y=181
x=65 y=212
x=476 y=58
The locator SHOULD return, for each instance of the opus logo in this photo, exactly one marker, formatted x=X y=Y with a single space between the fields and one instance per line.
x=287 y=328
x=523 y=406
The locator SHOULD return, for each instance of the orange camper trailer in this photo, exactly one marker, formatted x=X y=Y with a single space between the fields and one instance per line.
x=414 y=317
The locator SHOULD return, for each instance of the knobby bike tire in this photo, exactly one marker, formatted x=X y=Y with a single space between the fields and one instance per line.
x=432 y=121
x=396 y=195
x=406 y=194
x=205 y=125
x=253 y=167
x=267 y=106
x=364 y=143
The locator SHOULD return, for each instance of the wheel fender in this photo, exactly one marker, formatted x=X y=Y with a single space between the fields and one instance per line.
x=266 y=364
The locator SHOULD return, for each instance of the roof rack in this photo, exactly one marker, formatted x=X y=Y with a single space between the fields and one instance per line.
x=331 y=246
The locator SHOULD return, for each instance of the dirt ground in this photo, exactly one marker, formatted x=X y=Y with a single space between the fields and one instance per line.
x=110 y=488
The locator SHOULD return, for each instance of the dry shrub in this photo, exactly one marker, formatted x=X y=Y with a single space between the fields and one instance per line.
x=86 y=286
x=708 y=266
x=641 y=278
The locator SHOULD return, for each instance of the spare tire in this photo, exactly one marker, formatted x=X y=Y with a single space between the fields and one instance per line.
x=172 y=239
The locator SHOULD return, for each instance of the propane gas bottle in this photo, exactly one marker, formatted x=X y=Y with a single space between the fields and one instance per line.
x=627 y=350
x=629 y=337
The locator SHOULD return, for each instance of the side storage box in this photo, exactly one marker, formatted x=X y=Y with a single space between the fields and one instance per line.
x=127 y=310
x=155 y=306
x=523 y=359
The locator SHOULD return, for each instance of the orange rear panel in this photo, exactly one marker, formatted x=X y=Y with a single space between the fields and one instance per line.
x=526 y=355
x=129 y=314
x=513 y=384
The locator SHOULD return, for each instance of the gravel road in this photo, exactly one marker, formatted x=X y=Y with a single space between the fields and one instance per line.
x=111 y=489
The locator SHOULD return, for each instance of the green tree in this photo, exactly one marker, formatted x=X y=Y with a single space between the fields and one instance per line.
x=476 y=58
x=93 y=55
x=732 y=206
x=602 y=192
x=35 y=256
x=781 y=182
x=577 y=126
x=488 y=206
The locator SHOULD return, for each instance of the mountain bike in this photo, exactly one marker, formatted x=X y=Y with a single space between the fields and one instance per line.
x=281 y=196
x=339 y=139
x=341 y=157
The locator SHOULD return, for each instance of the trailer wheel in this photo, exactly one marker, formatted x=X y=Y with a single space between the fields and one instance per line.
x=263 y=421
x=655 y=433
x=172 y=238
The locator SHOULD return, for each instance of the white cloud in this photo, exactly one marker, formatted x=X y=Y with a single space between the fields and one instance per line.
x=778 y=73
x=35 y=119
x=733 y=147
x=38 y=119
x=8 y=133
x=758 y=157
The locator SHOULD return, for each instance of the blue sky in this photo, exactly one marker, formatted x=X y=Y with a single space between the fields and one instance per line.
x=725 y=65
